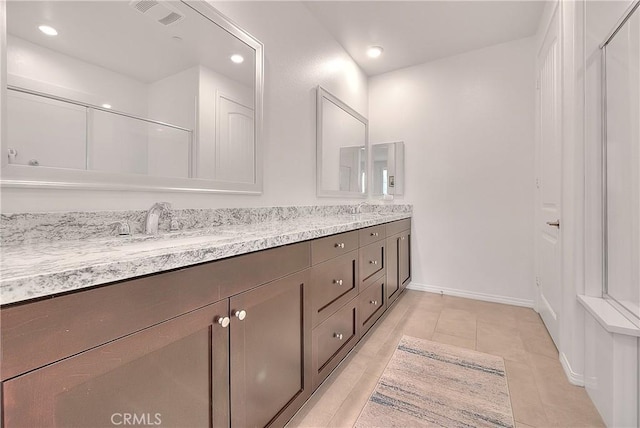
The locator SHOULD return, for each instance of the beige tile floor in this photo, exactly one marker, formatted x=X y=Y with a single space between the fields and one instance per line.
x=541 y=396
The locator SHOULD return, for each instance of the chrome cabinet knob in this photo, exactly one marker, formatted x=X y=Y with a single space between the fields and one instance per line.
x=374 y=302
x=374 y=233
x=241 y=314
x=337 y=336
x=337 y=281
x=402 y=238
x=373 y=262
x=340 y=245
x=223 y=321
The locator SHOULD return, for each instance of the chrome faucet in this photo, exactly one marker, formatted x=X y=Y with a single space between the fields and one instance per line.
x=360 y=205
x=153 y=217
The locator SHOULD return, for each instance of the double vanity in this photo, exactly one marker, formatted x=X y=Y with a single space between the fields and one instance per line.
x=234 y=325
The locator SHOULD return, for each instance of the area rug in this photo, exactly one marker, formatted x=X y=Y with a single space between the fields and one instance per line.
x=435 y=385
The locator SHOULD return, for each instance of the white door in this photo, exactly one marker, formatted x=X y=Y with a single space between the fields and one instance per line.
x=235 y=145
x=548 y=182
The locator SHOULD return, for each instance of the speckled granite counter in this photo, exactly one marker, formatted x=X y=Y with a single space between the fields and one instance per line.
x=45 y=268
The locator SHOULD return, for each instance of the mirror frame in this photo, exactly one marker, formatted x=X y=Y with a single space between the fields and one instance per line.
x=323 y=94
x=19 y=176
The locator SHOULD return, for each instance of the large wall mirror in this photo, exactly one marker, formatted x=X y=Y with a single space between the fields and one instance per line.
x=143 y=94
x=342 y=135
x=621 y=163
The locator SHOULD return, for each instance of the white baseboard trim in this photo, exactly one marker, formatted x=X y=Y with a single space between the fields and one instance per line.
x=471 y=295
x=574 y=378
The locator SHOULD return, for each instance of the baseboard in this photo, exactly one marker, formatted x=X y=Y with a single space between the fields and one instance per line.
x=574 y=378
x=471 y=295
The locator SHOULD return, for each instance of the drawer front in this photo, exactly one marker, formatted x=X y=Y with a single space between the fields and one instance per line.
x=333 y=284
x=372 y=262
x=333 y=339
x=371 y=234
x=371 y=304
x=396 y=227
x=323 y=249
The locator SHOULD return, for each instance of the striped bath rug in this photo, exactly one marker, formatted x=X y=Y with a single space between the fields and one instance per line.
x=436 y=385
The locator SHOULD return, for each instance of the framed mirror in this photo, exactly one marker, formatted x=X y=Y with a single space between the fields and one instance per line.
x=621 y=163
x=139 y=94
x=342 y=148
x=387 y=165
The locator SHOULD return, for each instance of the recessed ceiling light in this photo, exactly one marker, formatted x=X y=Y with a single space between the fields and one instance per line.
x=237 y=58
x=374 y=51
x=106 y=105
x=49 y=31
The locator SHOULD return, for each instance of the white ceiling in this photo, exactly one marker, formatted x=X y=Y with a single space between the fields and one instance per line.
x=115 y=36
x=415 y=32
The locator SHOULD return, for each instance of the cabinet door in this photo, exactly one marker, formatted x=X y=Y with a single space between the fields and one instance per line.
x=172 y=374
x=270 y=352
x=404 y=258
x=393 y=269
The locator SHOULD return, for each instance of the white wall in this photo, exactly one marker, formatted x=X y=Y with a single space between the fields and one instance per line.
x=468 y=126
x=299 y=55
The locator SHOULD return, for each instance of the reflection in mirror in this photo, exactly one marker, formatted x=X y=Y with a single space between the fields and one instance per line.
x=341 y=148
x=153 y=89
x=388 y=168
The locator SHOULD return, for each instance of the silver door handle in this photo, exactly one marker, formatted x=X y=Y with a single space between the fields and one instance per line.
x=337 y=281
x=554 y=223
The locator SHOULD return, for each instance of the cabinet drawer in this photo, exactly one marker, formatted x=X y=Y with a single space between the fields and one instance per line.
x=398 y=226
x=371 y=304
x=371 y=234
x=333 y=339
x=372 y=262
x=333 y=284
x=332 y=246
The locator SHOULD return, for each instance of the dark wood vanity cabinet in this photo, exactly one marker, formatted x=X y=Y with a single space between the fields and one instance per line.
x=153 y=352
x=239 y=342
x=171 y=374
x=398 y=258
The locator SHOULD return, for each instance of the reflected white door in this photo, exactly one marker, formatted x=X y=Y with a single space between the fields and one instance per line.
x=548 y=183
x=235 y=146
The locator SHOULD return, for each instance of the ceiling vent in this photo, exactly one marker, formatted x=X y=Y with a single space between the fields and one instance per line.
x=162 y=12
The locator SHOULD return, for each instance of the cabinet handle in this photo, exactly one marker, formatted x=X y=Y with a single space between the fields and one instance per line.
x=223 y=321
x=241 y=314
x=337 y=336
x=374 y=233
x=373 y=262
x=340 y=245
x=337 y=281
x=374 y=302
x=402 y=238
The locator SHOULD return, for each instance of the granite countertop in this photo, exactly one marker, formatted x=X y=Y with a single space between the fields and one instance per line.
x=29 y=271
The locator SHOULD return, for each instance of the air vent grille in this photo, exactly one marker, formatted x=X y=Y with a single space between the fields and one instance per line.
x=144 y=5
x=170 y=19
x=160 y=11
